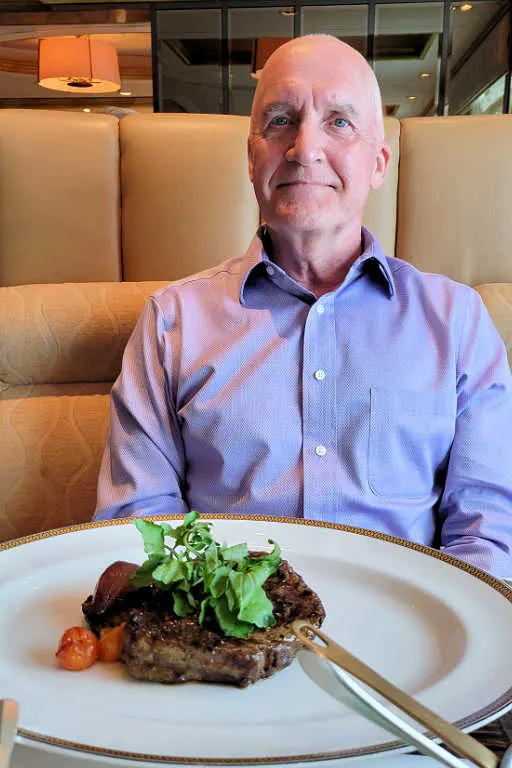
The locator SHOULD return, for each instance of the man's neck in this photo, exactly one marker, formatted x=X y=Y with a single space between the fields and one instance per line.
x=318 y=261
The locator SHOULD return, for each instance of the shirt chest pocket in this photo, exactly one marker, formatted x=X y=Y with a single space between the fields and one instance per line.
x=410 y=437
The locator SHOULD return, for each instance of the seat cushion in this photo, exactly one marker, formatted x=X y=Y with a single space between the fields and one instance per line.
x=68 y=332
x=50 y=453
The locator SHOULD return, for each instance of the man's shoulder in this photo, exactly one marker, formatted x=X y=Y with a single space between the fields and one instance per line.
x=408 y=277
x=227 y=273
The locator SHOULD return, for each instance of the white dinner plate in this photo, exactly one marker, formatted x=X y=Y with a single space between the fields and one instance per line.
x=439 y=630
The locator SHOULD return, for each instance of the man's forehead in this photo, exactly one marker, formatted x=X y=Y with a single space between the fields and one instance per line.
x=297 y=95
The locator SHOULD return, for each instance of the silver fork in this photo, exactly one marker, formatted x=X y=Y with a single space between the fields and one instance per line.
x=8 y=727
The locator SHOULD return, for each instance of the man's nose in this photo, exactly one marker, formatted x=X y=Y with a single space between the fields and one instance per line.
x=308 y=144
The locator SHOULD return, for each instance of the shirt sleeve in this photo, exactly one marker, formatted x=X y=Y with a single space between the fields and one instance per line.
x=143 y=466
x=476 y=507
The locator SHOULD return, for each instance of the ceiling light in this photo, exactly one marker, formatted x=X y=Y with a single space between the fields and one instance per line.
x=125 y=93
x=411 y=98
x=86 y=109
x=466 y=7
x=425 y=74
x=120 y=16
x=76 y=64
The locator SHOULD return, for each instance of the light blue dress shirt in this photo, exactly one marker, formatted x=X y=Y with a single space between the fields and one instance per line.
x=386 y=405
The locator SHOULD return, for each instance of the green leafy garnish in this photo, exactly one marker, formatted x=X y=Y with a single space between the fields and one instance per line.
x=206 y=577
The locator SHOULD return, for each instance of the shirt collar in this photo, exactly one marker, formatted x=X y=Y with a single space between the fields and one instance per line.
x=374 y=262
x=371 y=262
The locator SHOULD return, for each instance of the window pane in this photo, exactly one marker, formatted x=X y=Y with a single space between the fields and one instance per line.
x=349 y=23
x=407 y=62
x=490 y=101
x=480 y=51
x=189 y=61
x=253 y=33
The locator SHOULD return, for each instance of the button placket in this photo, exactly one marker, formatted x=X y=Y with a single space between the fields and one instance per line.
x=319 y=418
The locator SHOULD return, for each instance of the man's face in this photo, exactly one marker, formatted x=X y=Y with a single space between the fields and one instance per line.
x=315 y=150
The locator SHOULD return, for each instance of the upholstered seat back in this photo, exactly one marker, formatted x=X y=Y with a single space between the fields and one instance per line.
x=60 y=350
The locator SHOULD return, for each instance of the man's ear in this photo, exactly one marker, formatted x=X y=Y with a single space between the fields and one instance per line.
x=381 y=165
x=250 y=157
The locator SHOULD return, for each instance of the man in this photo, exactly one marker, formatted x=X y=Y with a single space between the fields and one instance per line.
x=315 y=377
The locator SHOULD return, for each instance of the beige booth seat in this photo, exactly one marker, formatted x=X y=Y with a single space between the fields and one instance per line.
x=455 y=205
x=455 y=197
x=187 y=202
x=88 y=198
x=59 y=197
x=60 y=349
x=380 y=212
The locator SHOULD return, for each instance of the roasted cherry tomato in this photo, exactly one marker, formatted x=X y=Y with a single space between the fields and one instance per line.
x=111 y=643
x=78 y=649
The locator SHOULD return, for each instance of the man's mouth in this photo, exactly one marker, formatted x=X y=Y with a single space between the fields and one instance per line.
x=299 y=183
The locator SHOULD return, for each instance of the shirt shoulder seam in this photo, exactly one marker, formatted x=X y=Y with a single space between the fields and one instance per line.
x=197 y=278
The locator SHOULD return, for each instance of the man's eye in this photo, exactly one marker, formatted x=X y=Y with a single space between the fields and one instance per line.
x=279 y=121
x=340 y=122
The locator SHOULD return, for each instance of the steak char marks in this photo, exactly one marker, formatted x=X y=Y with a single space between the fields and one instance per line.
x=159 y=646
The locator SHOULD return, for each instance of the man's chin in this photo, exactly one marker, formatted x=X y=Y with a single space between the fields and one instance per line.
x=301 y=218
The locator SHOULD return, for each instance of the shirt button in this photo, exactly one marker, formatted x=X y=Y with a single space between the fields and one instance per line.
x=320 y=309
x=320 y=450
x=319 y=375
x=270 y=269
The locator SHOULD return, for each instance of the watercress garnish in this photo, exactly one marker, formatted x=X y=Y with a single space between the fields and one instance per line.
x=204 y=576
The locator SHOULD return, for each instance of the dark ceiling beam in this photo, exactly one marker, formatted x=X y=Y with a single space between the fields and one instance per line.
x=44 y=16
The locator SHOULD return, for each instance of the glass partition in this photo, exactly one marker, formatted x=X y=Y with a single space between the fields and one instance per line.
x=431 y=57
x=407 y=57
x=253 y=34
x=490 y=101
x=480 y=55
x=189 y=61
x=347 y=22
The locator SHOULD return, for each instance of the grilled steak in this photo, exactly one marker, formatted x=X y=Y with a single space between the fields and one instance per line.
x=157 y=645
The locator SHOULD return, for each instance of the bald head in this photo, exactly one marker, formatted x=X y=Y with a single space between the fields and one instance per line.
x=327 y=59
x=316 y=144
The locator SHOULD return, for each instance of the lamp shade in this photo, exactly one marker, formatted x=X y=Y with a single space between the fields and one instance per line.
x=78 y=65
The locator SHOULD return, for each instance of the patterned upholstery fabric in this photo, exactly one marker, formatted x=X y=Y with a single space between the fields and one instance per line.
x=60 y=349
x=49 y=460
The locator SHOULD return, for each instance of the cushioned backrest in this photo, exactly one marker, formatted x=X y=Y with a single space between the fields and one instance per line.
x=60 y=349
x=59 y=197
x=455 y=196
x=186 y=196
x=50 y=454
x=380 y=211
x=71 y=332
